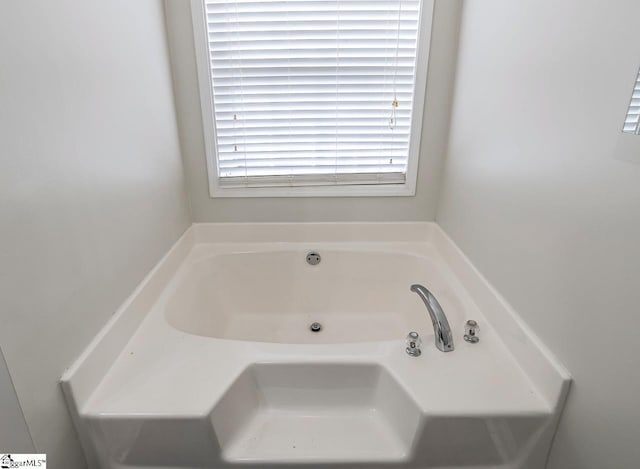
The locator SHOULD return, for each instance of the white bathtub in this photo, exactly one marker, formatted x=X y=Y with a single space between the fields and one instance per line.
x=357 y=295
x=212 y=363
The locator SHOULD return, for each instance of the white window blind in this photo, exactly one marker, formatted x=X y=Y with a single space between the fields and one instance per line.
x=632 y=121
x=304 y=91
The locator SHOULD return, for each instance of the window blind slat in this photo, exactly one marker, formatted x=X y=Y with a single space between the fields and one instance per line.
x=233 y=38
x=285 y=6
x=303 y=90
x=632 y=119
x=342 y=71
x=339 y=116
x=285 y=44
x=298 y=128
x=317 y=170
x=304 y=162
x=278 y=149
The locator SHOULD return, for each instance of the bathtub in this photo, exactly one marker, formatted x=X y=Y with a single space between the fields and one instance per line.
x=212 y=362
x=357 y=295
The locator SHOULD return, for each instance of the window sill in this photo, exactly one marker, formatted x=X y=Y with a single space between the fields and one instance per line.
x=382 y=190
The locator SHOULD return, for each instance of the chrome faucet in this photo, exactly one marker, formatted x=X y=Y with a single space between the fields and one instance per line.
x=444 y=338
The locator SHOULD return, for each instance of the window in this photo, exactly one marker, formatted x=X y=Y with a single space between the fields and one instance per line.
x=312 y=97
x=632 y=120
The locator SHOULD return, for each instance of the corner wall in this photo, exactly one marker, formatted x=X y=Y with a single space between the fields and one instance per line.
x=14 y=434
x=91 y=187
x=542 y=192
x=307 y=209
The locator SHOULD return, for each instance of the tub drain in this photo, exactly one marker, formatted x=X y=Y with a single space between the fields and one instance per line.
x=313 y=258
x=315 y=327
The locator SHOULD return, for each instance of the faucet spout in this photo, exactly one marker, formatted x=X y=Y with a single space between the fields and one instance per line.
x=441 y=328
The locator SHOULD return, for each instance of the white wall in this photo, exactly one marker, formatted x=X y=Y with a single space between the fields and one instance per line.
x=539 y=193
x=433 y=143
x=14 y=434
x=91 y=186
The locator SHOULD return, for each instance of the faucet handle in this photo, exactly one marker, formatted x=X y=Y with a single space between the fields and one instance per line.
x=471 y=330
x=414 y=342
